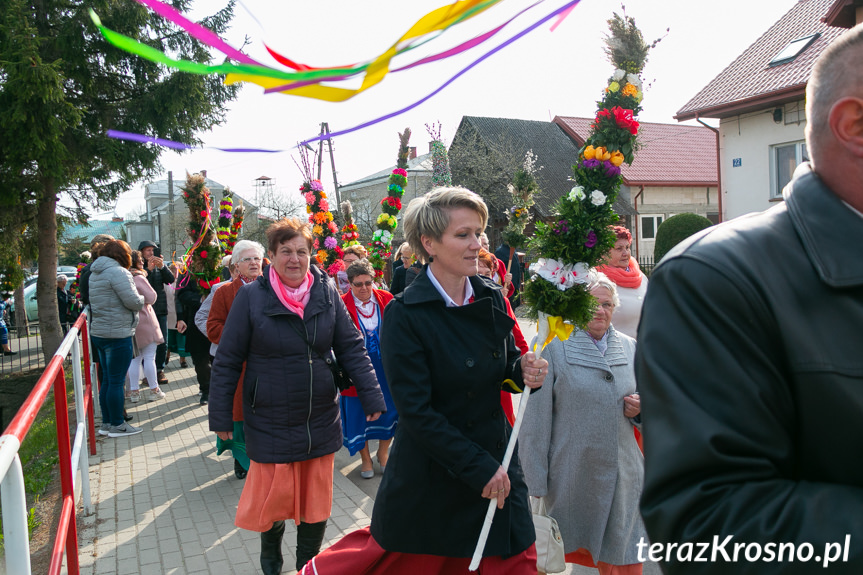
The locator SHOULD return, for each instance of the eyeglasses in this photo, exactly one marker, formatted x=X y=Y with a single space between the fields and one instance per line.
x=361 y=284
x=249 y=260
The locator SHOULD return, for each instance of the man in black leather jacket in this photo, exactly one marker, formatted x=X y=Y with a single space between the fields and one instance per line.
x=750 y=366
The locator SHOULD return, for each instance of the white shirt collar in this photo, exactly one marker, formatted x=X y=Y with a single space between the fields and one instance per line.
x=468 y=289
x=360 y=304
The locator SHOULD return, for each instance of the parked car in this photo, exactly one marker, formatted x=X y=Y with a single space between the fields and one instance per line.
x=68 y=271
x=31 y=306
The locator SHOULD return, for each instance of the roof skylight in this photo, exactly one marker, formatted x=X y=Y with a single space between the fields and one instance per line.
x=792 y=50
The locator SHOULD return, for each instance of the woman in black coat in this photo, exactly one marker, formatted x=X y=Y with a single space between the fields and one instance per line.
x=447 y=350
x=281 y=327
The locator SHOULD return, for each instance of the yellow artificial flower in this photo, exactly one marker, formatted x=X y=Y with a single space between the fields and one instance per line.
x=589 y=153
x=616 y=158
x=602 y=154
x=614 y=87
x=630 y=90
x=329 y=216
x=318 y=230
x=321 y=255
x=308 y=209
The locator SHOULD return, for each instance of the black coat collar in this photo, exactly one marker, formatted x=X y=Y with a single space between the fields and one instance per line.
x=422 y=290
x=830 y=232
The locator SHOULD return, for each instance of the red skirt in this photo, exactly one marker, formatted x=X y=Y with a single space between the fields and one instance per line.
x=583 y=557
x=358 y=553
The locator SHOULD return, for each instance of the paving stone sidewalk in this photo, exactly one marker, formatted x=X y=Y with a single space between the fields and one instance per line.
x=164 y=502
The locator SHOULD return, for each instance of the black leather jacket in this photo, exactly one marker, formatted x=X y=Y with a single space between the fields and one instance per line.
x=750 y=368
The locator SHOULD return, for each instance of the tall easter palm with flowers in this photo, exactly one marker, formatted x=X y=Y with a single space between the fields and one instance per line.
x=203 y=257
x=325 y=246
x=580 y=235
x=380 y=248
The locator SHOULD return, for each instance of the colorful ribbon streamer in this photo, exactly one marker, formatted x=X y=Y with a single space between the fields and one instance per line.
x=460 y=73
x=142 y=139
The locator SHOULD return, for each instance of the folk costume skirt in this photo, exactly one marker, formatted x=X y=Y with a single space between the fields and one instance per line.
x=358 y=553
x=301 y=491
x=355 y=429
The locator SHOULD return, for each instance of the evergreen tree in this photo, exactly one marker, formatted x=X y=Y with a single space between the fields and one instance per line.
x=62 y=86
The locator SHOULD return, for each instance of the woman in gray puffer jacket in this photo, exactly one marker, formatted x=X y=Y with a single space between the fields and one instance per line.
x=114 y=306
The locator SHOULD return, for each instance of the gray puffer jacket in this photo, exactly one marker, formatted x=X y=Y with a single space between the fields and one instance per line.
x=114 y=300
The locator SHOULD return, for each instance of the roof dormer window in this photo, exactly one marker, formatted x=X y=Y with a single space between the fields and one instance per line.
x=792 y=50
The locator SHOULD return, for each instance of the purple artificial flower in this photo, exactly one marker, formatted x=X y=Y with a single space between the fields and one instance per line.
x=591 y=163
x=610 y=169
x=330 y=243
x=591 y=239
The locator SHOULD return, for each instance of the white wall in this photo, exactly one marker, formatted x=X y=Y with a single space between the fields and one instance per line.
x=749 y=138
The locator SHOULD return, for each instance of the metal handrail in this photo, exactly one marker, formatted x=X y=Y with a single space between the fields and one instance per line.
x=73 y=457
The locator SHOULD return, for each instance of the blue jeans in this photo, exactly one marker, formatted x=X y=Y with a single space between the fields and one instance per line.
x=114 y=355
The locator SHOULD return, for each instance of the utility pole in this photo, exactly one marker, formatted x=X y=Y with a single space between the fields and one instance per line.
x=325 y=129
x=321 y=151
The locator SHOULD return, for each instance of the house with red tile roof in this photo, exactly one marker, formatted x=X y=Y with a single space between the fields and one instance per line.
x=759 y=100
x=674 y=172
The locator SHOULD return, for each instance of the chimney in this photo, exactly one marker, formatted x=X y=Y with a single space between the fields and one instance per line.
x=116 y=219
x=412 y=153
x=204 y=173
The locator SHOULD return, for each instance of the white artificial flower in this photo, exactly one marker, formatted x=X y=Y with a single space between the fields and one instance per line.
x=562 y=276
x=386 y=236
x=618 y=74
x=634 y=80
x=597 y=198
x=576 y=194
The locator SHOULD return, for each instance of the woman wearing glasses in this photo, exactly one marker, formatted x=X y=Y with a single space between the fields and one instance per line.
x=248 y=261
x=280 y=328
x=366 y=305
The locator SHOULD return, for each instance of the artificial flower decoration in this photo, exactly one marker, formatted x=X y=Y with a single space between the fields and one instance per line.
x=380 y=248
x=202 y=258
x=522 y=189
x=350 y=233
x=320 y=217
x=581 y=235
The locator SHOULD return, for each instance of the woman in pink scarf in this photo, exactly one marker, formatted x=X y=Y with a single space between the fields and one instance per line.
x=283 y=327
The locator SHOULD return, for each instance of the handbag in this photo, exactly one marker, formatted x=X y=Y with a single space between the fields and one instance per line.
x=340 y=376
x=549 y=544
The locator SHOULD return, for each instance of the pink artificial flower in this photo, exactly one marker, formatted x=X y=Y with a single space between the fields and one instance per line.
x=310 y=198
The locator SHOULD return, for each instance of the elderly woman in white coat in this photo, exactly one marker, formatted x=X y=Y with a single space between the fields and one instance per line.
x=577 y=446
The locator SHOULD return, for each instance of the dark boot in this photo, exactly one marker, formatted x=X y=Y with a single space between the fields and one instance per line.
x=239 y=471
x=271 y=549
x=310 y=536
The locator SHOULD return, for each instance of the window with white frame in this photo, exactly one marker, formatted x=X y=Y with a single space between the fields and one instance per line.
x=784 y=159
x=649 y=225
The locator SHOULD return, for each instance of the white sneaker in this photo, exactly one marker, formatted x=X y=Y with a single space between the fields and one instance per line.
x=123 y=430
x=135 y=396
x=156 y=393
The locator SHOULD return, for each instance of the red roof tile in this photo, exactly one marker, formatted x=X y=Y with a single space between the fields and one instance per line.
x=670 y=154
x=749 y=83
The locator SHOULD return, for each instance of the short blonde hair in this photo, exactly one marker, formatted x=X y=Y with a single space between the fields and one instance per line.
x=357 y=250
x=429 y=215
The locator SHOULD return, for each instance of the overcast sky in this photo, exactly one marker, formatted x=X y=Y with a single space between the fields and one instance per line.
x=541 y=75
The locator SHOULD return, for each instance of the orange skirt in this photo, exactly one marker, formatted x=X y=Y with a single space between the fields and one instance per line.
x=358 y=553
x=302 y=491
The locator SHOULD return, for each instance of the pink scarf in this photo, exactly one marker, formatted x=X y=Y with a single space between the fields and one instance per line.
x=295 y=299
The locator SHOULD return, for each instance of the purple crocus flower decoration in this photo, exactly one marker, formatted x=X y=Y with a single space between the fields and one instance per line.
x=591 y=239
x=591 y=163
x=610 y=169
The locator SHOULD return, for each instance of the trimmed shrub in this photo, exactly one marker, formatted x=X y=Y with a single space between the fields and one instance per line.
x=676 y=229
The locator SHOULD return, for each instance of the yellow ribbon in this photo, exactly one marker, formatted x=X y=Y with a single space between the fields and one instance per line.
x=557 y=328
x=435 y=21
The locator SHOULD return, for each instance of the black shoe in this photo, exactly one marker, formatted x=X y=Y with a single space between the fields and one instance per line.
x=10 y=353
x=310 y=536
x=239 y=471
x=126 y=416
x=271 y=549
x=205 y=398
